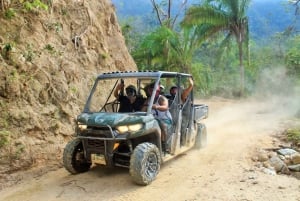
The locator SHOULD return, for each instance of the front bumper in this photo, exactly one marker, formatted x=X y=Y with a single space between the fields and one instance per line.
x=100 y=141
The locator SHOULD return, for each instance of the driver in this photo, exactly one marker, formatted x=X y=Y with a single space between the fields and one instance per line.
x=129 y=102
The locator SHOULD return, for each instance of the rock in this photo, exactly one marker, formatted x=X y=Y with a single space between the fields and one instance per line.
x=296 y=174
x=258 y=165
x=295 y=158
x=262 y=156
x=294 y=167
x=286 y=151
x=279 y=165
x=285 y=170
x=281 y=157
x=269 y=171
x=266 y=164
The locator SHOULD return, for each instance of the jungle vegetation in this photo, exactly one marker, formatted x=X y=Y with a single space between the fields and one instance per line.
x=212 y=39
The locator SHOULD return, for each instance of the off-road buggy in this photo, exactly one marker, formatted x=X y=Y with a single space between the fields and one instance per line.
x=133 y=140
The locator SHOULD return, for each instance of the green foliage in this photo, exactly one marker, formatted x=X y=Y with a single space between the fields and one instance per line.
x=218 y=16
x=73 y=89
x=153 y=52
x=134 y=30
x=10 y=13
x=23 y=5
x=199 y=47
x=293 y=57
x=4 y=138
x=129 y=38
x=104 y=56
x=4 y=114
x=57 y=27
x=18 y=152
x=36 y=4
x=29 y=54
x=50 y=49
x=14 y=75
x=203 y=79
x=294 y=135
x=64 y=11
x=7 y=49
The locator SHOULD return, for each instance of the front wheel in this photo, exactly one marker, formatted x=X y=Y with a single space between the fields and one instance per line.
x=201 y=137
x=145 y=163
x=73 y=158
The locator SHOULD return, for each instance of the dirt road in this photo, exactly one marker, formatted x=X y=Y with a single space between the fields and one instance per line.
x=221 y=171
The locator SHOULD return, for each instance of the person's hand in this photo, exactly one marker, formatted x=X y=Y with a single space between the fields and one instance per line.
x=120 y=86
x=191 y=81
x=154 y=106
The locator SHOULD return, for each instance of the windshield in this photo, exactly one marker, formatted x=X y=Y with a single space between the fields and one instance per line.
x=105 y=94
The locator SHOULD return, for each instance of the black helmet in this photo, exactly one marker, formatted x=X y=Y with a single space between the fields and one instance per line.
x=131 y=90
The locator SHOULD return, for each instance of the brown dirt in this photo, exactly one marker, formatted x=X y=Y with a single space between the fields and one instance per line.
x=46 y=76
x=221 y=171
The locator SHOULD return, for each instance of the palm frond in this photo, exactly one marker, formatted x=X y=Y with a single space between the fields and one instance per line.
x=197 y=15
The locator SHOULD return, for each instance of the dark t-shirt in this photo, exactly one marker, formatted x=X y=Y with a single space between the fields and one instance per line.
x=126 y=106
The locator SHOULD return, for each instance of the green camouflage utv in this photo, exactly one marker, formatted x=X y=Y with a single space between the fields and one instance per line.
x=133 y=139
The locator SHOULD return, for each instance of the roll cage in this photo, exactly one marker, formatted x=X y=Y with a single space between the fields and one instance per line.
x=141 y=77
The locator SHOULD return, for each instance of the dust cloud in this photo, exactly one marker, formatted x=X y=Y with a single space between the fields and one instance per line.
x=279 y=90
x=273 y=106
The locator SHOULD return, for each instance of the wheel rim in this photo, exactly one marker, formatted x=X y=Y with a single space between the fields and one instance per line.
x=78 y=157
x=151 y=165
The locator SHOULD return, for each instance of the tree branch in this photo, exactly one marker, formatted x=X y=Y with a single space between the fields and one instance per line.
x=156 y=8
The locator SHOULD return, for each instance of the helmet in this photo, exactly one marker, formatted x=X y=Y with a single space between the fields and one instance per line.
x=130 y=90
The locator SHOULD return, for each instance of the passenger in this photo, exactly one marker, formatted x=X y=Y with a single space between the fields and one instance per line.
x=185 y=92
x=171 y=96
x=131 y=102
x=162 y=89
x=160 y=110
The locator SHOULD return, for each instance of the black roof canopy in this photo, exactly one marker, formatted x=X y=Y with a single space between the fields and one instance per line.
x=141 y=74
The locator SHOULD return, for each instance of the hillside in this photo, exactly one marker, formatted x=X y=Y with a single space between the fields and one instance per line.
x=269 y=17
x=48 y=63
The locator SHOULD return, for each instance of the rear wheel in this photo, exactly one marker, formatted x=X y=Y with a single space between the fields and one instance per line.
x=201 y=138
x=73 y=158
x=145 y=163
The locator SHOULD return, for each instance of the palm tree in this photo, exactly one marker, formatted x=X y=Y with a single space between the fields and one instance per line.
x=225 y=16
x=165 y=49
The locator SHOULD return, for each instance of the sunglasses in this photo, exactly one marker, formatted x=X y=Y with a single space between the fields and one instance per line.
x=130 y=92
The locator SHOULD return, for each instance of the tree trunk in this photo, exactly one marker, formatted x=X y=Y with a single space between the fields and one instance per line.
x=242 y=70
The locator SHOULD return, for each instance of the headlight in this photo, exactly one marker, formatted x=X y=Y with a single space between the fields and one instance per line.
x=122 y=129
x=135 y=127
x=132 y=128
x=82 y=126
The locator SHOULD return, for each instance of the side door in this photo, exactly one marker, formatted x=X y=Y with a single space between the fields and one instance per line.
x=187 y=123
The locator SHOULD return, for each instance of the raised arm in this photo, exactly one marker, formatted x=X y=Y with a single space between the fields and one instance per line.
x=119 y=87
x=187 y=90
